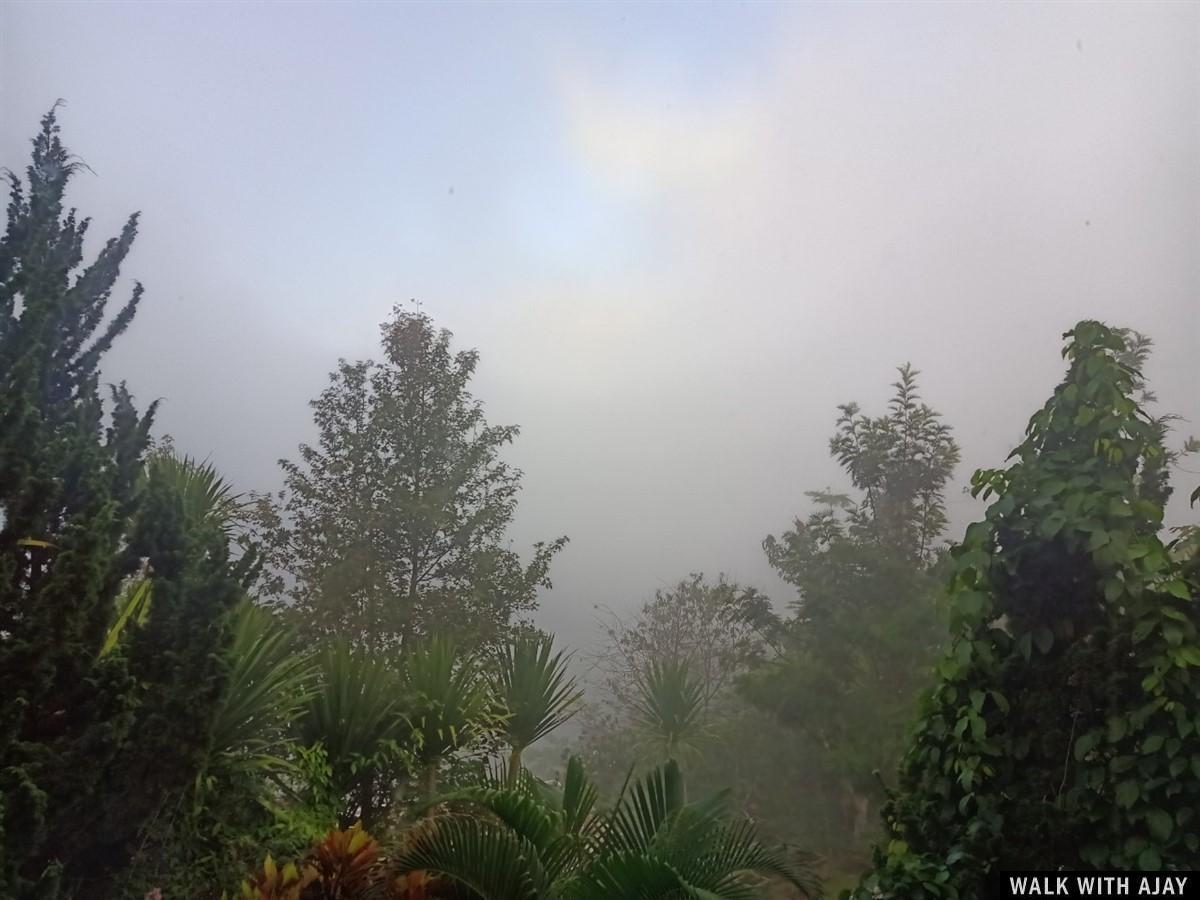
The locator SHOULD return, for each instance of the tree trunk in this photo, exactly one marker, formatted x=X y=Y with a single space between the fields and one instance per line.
x=514 y=767
x=429 y=780
x=861 y=805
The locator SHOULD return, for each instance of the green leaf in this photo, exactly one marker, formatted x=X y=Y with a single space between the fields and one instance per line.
x=1044 y=638
x=1117 y=727
x=1086 y=743
x=1160 y=822
x=1153 y=743
x=1127 y=793
x=1177 y=588
x=1025 y=645
x=1149 y=860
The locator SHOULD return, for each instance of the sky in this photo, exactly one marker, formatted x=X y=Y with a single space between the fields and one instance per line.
x=679 y=234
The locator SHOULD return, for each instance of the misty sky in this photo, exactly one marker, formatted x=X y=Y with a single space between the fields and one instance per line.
x=679 y=235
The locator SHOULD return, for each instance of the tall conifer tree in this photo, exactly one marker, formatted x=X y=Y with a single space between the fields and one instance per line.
x=67 y=485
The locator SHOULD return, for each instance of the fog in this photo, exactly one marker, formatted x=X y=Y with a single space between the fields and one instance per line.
x=679 y=236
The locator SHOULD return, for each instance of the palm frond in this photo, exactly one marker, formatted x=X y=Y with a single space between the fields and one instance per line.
x=487 y=858
x=644 y=809
x=270 y=683
x=133 y=606
x=523 y=813
x=205 y=495
x=578 y=798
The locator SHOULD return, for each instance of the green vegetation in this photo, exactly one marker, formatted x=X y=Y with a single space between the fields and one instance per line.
x=1063 y=727
x=198 y=683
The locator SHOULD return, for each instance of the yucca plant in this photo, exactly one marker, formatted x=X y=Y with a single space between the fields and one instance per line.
x=668 y=708
x=451 y=705
x=535 y=693
x=270 y=682
x=357 y=714
x=524 y=843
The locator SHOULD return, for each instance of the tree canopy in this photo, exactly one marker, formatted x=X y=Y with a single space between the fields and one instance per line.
x=393 y=525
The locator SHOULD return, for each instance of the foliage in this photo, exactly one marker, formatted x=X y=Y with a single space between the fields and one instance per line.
x=271 y=679
x=865 y=625
x=720 y=626
x=393 y=524
x=1062 y=729
x=67 y=489
x=669 y=708
x=535 y=692
x=523 y=842
x=341 y=866
x=358 y=716
x=451 y=704
x=257 y=787
x=901 y=463
x=723 y=630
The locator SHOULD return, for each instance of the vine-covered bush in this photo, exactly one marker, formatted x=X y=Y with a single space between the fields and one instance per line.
x=1064 y=729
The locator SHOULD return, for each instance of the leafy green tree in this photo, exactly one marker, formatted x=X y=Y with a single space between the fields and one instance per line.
x=535 y=691
x=523 y=841
x=865 y=625
x=1062 y=730
x=67 y=488
x=718 y=626
x=720 y=630
x=901 y=463
x=393 y=524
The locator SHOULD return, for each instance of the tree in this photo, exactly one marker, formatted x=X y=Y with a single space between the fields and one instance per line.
x=67 y=488
x=1062 y=729
x=719 y=630
x=393 y=524
x=865 y=624
x=717 y=627
x=673 y=664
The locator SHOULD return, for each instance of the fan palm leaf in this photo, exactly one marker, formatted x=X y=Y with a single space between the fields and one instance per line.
x=518 y=842
x=488 y=858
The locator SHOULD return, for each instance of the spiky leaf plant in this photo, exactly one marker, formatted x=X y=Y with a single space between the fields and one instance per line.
x=451 y=704
x=669 y=707
x=535 y=692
